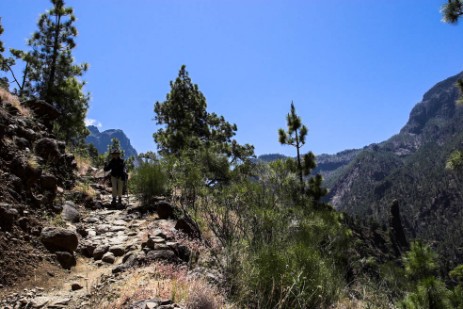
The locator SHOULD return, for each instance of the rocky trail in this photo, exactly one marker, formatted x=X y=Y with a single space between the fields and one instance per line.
x=123 y=256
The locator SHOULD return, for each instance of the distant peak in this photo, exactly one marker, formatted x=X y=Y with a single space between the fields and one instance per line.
x=93 y=129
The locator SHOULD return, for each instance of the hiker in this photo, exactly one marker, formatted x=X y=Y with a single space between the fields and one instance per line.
x=118 y=175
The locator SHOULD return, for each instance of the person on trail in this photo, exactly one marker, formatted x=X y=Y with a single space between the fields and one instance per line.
x=117 y=167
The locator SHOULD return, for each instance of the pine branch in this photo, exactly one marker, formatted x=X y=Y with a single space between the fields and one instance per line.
x=14 y=77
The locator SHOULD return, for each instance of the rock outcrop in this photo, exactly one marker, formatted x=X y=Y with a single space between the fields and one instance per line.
x=35 y=169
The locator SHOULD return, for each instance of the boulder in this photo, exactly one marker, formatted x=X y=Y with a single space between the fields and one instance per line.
x=8 y=216
x=29 y=134
x=70 y=212
x=117 y=250
x=119 y=268
x=162 y=255
x=143 y=209
x=43 y=111
x=166 y=210
x=48 y=149
x=39 y=302
x=129 y=260
x=59 y=239
x=183 y=252
x=69 y=160
x=49 y=182
x=20 y=167
x=66 y=259
x=87 y=249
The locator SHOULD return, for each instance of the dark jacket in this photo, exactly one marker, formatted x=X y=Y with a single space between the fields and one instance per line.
x=117 y=167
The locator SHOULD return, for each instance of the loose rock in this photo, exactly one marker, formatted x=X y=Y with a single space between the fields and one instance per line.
x=66 y=259
x=109 y=258
x=8 y=216
x=56 y=238
x=70 y=212
x=76 y=286
x=117 y=250
x=100 y=251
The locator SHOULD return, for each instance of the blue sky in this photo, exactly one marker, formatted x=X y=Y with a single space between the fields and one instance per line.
x=354 y=68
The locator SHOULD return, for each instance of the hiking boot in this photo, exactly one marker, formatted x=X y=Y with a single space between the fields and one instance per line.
x=120 y=200
x=113 y=201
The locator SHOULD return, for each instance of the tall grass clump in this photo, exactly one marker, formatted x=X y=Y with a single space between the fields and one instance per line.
x=300 y=266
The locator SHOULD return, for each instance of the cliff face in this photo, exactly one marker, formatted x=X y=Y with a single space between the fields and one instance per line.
x=101 y=140
x=410 y=168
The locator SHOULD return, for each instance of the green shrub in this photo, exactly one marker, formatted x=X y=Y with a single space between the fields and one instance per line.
x=149 y=180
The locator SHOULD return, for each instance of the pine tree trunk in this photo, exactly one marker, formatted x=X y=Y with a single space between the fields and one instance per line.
x=21 y=88
x=51 y=79
x=299 y=165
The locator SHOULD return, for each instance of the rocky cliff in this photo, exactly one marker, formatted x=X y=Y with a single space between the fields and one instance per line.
x=101 y=140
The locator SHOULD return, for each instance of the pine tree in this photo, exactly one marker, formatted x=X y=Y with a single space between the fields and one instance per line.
x=295 y=136
x=183 y=114
x=451 y=13
x=452 y=10
x=50 y=73
x=188 y=126
x=195 y=137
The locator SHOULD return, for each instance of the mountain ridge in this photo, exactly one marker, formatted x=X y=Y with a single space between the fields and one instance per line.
x=410 y=167
x=101 y=140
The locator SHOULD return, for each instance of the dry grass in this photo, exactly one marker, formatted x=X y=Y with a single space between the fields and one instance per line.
x=5 y=96
x=85 y=189
x=166 y=281
x=202 y=295
x=84 y=164
x=365 y=295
